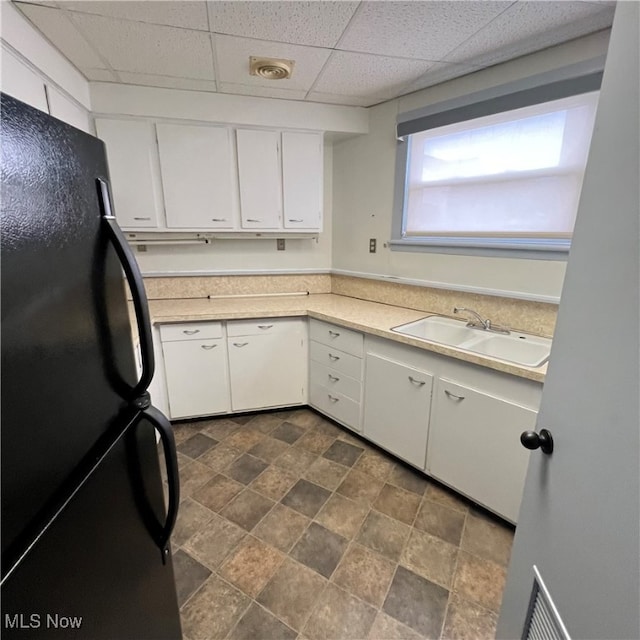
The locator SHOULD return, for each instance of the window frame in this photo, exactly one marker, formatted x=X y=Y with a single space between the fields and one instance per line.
x=570 y=81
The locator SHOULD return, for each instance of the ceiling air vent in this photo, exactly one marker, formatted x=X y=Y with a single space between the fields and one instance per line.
x=271 y=68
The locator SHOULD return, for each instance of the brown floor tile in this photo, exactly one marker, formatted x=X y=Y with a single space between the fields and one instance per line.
x=212 y=544
x=440 y=521
x=384 y=535
x=409 y=479
x=315 y=441
x=274 y=482
x=343 y=453
x=192 y=516
x=242 y=419
x=189 y=575
x=218 y=492
x=375 y=464
x=269 y=449
x=468 y=621
x=196 y=445
x=397 y=503
x=193 y=476
x=258 y=624
x=353 y=438
x=387 y=628
x=319 y=549
x=304 y=418
x=416 y=602
x=447 y=497
x=479 y=580
x=292 y=593
x=326 y=473
x=221 y=457
x=213 y=611
x=244 y=439
x=342 y=515
x=296 y=460
x=247 y=509
x=287 y=432
x=306 y=498
x=339 y=615
x=265 y=422
x=220 y=428
x=246 y=468
x=185 y=430
x=360 y=487
x=487 y=539
x=281 y=527
x=430 y=557
x=327 y=427
x=365 y=574
x=251 y=565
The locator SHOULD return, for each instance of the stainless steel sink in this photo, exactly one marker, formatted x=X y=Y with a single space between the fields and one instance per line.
x=520 y=348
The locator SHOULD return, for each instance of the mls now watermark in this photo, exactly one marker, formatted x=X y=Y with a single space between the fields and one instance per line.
x=38 y=621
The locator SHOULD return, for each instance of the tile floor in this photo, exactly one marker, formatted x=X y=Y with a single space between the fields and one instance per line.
x=292 y=527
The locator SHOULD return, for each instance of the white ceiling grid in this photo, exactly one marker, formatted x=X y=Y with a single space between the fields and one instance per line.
x=345 y=52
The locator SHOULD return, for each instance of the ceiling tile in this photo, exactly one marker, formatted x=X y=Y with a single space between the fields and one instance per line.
x=332 y=98
x=56 y=26
x=148 y=48
x=186 y=14
x=530 y=26
x=363 y=75
x=99 y=75
x=439 y=72
x=424 y=30
x=311 y=23
x=263 y=92
x=150 y=80
x=44 y=3
x=233 y=53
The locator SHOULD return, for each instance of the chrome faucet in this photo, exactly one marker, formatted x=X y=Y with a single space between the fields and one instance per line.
x=480 y=322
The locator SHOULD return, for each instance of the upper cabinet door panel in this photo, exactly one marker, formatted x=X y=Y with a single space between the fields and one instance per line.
x=260 y=179
x=133 y=165
x=19 y=81
x=302 y=180
x=197 y=177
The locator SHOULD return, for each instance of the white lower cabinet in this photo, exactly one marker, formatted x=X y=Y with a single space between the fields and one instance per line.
x=396 y=408
x=474 y=445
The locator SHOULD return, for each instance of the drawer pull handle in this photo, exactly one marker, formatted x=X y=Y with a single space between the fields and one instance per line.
x=334 y=334
x=254 y=219
x=240 y=344
x=419 y=383
x=265 y=326
x=296 y=220
x=333 y=378
x=332 y=398
x=334 y=358
x=142 y=219
x=453 y=396
x=191 y=332
x=218 y=219
x=208 y=347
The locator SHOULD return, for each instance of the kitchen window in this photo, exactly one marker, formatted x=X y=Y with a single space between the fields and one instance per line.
x=485 y=178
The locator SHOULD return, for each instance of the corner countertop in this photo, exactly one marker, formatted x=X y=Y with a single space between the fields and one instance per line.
x=369 y=317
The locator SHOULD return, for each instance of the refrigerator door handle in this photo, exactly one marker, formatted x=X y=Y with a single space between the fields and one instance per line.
x=136 y=284
x=163 y=427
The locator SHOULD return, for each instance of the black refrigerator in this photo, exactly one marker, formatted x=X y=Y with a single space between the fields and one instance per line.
x=86 y=520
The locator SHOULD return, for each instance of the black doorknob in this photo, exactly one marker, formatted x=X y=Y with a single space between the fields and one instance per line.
x=532 y=440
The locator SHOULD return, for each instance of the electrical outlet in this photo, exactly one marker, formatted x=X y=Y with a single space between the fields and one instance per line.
x=280 y=244
x=372 y=245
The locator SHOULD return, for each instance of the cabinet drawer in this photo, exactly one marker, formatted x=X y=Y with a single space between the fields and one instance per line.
x=336 y=359
x=190 y=331
x=334 y=404
x=335 y=380
x=261 y=327
x=337 y=337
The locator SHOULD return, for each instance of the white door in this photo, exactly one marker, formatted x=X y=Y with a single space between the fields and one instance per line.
x=580 y=518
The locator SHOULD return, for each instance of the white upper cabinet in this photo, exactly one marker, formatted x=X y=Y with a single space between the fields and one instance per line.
x=133 y=165
x=197 y=179
x=19 y=81
x=260 y=179
x=302 y=180
x=69 y=112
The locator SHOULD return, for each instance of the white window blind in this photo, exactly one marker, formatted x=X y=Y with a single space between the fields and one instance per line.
x=510 y=175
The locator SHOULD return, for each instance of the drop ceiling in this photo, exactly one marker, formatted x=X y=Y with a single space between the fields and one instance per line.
x=349 y=53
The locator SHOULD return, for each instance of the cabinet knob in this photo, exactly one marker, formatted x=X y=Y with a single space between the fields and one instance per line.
x=254 y=220
x=190 y=332
x=532 y=440
x=453 y=396
x=208 y=347
x=265 y=326
x=334 y=358
x=296 y=220
x=418 y=383
x=142 y=219
x=240 y=344
x=334 y=334
x=218 y=219
x=332 y=398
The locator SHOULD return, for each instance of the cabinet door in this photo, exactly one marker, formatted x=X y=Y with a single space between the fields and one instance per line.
x=197 y=381
x=260 y=179
x=267 y=371
x=197 y=179
x=63 y=109
x=302 y=180
x=135 y=175
x=474 y=446
x=397 y=402
x=19 y=81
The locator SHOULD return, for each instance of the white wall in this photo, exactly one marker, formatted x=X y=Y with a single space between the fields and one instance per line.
x=364 y=169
